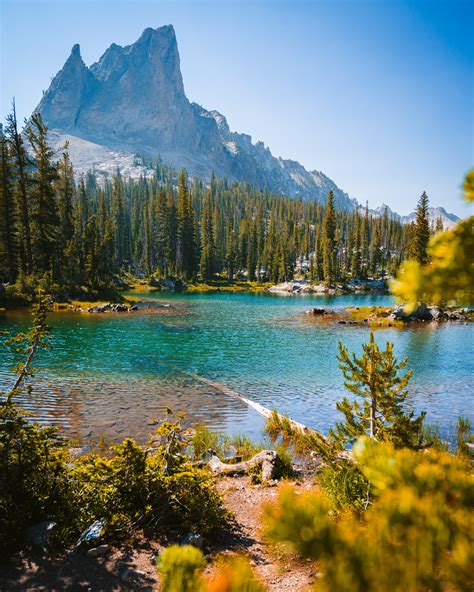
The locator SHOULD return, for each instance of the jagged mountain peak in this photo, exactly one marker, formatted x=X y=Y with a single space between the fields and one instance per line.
x=76 y=50
x=132 y=101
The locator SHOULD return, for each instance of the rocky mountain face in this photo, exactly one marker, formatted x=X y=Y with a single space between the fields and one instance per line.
x=132 y=101
x=449 y=220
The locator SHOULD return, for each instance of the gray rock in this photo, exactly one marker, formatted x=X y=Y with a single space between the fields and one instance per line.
x=92 y=534
x=42 y=534
x=193 y=539
x=437 y=314
x=317 y=311
x=98 y=551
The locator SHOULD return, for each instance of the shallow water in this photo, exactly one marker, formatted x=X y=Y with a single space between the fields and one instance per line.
x=115 y=374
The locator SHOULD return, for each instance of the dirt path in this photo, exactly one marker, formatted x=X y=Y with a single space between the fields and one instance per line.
x=280 y=570
x=132 y=567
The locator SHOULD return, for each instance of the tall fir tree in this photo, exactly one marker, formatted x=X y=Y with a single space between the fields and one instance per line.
x=44 y=210
x=329 y=236
x=421 y=231
x=21 y=163
x=8 y=214
x=208 y=248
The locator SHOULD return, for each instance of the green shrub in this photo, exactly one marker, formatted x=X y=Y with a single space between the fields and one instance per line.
x=204 y=439
x=464 y=438
x=33 y=475
x=132 y=487
x=244 y=446
x=345 y=485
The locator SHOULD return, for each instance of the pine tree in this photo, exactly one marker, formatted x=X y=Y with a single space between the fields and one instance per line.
x=355 y=262
x=65 y=190
x=8 y=221
x=374 y=378
x=21 y=162
x=186 y=239
x=207 y=261
x=374 y=252
x=364 y=242
x=44 y=211
x=329 y=235
x=231 y=251
x=421 y=234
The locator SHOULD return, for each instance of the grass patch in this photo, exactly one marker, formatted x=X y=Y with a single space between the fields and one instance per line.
x=88 y=303
x=142 y=287
x=226 y=286
x=376 y=316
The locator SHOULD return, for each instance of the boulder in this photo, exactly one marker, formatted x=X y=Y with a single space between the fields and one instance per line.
x=437 y=314
x=317 y=311
x=42 y=534
x=421 y=313
x=92 y=534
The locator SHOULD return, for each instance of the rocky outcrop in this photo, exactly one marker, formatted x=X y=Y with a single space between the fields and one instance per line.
x=423 y=313
x=305 y=287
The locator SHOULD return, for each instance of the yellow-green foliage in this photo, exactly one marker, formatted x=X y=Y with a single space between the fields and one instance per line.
x=450 y=274
x=203 y=440
x=280 y=427
x=244 y=446
x=225 y=286
x=417 y=535
x=377 y=316
x=181 y=571
x=234 y=576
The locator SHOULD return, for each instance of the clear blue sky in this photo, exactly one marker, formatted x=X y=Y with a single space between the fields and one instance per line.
x=377 y=94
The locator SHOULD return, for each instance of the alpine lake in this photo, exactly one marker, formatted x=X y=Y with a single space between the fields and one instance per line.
x=113 y=375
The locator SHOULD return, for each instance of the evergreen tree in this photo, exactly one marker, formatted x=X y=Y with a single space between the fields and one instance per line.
x=421 y=231
x=65 y=190
x=8 y=221
x=329 y=235
x=355 y=262
x=374 y=378
x=44 y=210
x=186 y=238
x=207 y=261
x=21 y=162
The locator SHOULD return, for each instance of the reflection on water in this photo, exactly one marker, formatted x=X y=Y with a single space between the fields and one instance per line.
x=115 y=374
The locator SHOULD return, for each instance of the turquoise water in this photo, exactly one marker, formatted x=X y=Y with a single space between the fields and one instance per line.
x=114 y=374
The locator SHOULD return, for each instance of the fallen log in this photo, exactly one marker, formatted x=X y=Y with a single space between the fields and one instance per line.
x=264 y=411
x=267 y=459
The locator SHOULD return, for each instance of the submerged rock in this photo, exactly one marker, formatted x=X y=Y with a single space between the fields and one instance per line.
x=317 y=311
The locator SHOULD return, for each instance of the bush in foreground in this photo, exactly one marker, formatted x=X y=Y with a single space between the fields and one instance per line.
x=415 y=536
x=155 y=487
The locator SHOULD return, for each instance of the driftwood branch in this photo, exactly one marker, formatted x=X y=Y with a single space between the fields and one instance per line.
x=266 y=459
